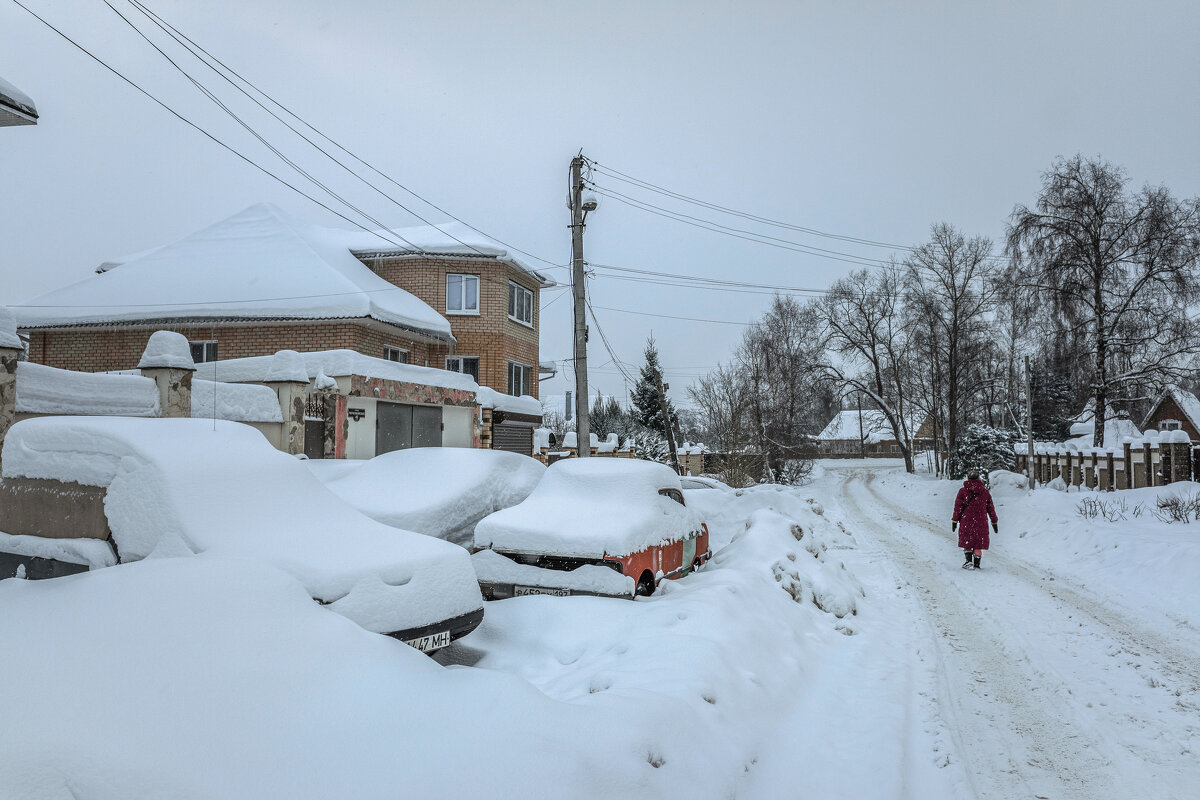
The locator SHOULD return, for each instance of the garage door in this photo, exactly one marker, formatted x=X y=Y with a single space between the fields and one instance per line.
x=399 y=426
x=514 y=437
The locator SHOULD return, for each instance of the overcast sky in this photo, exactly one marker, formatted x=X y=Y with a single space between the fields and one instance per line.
x=865 y=119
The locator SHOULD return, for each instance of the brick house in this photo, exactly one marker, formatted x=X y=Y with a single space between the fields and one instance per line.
x=854 y=434
x=262 y=281
x=1175 y=409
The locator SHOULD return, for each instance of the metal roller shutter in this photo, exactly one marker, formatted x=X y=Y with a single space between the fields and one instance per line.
x=514 y=437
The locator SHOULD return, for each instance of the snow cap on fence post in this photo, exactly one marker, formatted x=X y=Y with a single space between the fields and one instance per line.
x=167 y=359
x=288 y=376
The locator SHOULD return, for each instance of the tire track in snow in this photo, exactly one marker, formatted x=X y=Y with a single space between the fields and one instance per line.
x=1015 y=743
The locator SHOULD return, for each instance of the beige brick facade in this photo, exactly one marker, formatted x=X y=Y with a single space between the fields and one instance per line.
x=491 y=335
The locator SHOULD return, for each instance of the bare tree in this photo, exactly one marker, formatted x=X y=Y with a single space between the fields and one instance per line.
x=721 y=398
x=865 y=327
x=1118 y=268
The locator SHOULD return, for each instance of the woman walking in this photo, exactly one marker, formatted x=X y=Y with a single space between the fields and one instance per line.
x=972 y=508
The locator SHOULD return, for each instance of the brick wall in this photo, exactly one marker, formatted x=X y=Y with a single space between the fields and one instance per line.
x=1168 y=409
x=490 y=335
x=97 y=349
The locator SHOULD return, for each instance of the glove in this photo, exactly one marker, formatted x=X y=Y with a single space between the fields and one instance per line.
x=995 y=527
x=953 y=526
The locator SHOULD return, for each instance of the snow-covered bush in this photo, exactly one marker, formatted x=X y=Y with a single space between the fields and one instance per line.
x=1111 y=510
x=1177 y=508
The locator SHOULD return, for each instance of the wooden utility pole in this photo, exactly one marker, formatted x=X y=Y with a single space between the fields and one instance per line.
x=862 y=439
x=1029 y=426
x=662 y=402
x=582 y=426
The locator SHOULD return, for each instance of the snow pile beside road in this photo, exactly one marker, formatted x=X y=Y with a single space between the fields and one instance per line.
x=438 y=491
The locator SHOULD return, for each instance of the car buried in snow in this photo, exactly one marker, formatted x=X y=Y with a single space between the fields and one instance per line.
x=595 y=526
x=218 y=489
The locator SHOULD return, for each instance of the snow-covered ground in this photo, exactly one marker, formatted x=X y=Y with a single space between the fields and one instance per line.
x=831 y=649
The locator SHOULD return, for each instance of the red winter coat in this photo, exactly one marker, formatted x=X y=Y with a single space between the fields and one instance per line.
x=971 y=511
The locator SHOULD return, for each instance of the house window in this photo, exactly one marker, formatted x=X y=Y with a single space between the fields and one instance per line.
x=468 y=365
x=520 y=304
x=395 y=354
x=518 y=378
x=1170 y=425
x=462 y=293
x=204 y=351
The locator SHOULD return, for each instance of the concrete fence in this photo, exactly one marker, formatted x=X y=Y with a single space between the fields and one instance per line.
x=1155 y=459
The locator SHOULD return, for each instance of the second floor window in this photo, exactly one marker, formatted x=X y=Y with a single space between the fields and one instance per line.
x=468 y=365
x=520 y=304
x=395 y=354
x=204 y=351
x=518 y=378
x=462 y=293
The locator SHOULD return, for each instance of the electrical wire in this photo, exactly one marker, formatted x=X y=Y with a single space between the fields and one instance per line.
x=208 y=59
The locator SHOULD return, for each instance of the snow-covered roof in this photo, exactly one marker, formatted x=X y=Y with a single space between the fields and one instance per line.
x=261 y=263
x=1083 y=426
x=336 y=364
x=845 y=425
x=450 y=238
x=8 y=331
x=16 y=107
x=1187 y=402
x=490 y=398
x=238 y=402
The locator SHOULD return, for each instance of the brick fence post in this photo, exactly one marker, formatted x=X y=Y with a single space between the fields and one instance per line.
x=288 y=378
x=1129 y=481
x=167 y=359
x=1110 y=465
x=1148 y=463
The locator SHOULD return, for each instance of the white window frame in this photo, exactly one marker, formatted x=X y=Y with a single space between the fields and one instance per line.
x=458 y=367
x=520 y=300
x=528 y=375
x=1170 y=425
x=205 y=345
x=464 y=279
x=401 y=355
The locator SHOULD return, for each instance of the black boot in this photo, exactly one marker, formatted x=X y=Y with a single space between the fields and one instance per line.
x=977 y=562
x=967 y=559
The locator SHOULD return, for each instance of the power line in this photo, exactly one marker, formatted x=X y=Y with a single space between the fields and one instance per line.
x=193 y=47
x=669 y=316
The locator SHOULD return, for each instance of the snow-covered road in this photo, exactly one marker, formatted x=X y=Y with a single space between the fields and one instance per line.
x=1031 y=685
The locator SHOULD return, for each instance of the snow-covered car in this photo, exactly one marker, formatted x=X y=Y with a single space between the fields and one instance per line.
x=703 y=482
x=182 y=487
x=623 y=515
x=438 y=491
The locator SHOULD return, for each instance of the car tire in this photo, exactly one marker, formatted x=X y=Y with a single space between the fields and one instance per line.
x=645 y=585
x=697 y=564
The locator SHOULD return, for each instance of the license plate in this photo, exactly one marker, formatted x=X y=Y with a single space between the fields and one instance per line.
x=433 y=641
x=522 y=591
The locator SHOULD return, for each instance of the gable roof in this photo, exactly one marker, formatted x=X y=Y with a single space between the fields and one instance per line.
x=1187 y=402
x=261 y=263
x=875 y=427
x=447 y=239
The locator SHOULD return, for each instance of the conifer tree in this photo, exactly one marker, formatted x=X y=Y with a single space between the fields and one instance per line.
x=647 y=409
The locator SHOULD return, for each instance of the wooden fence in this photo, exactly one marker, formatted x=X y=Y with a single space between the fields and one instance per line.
x=1154 y=460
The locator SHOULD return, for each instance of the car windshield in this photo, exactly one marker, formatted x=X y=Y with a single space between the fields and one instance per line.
x=674 y=494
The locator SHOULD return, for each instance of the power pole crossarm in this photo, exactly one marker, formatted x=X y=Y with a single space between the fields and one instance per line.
x=578 y=288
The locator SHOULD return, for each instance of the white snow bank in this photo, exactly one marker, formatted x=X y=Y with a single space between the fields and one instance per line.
x=184 y=486
x=286 y=366
x=491 y=567
x=592 y=507
x=336 y=363
x=8 y=330
x=92 y=553
x=213 y=678
x=438 y=491
x=239 y=402
x=49 y=390
x=167 y=349
x=261 y=263
x=490 y=398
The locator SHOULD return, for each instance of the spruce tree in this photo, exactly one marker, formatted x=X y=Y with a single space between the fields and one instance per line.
x=647 y=409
